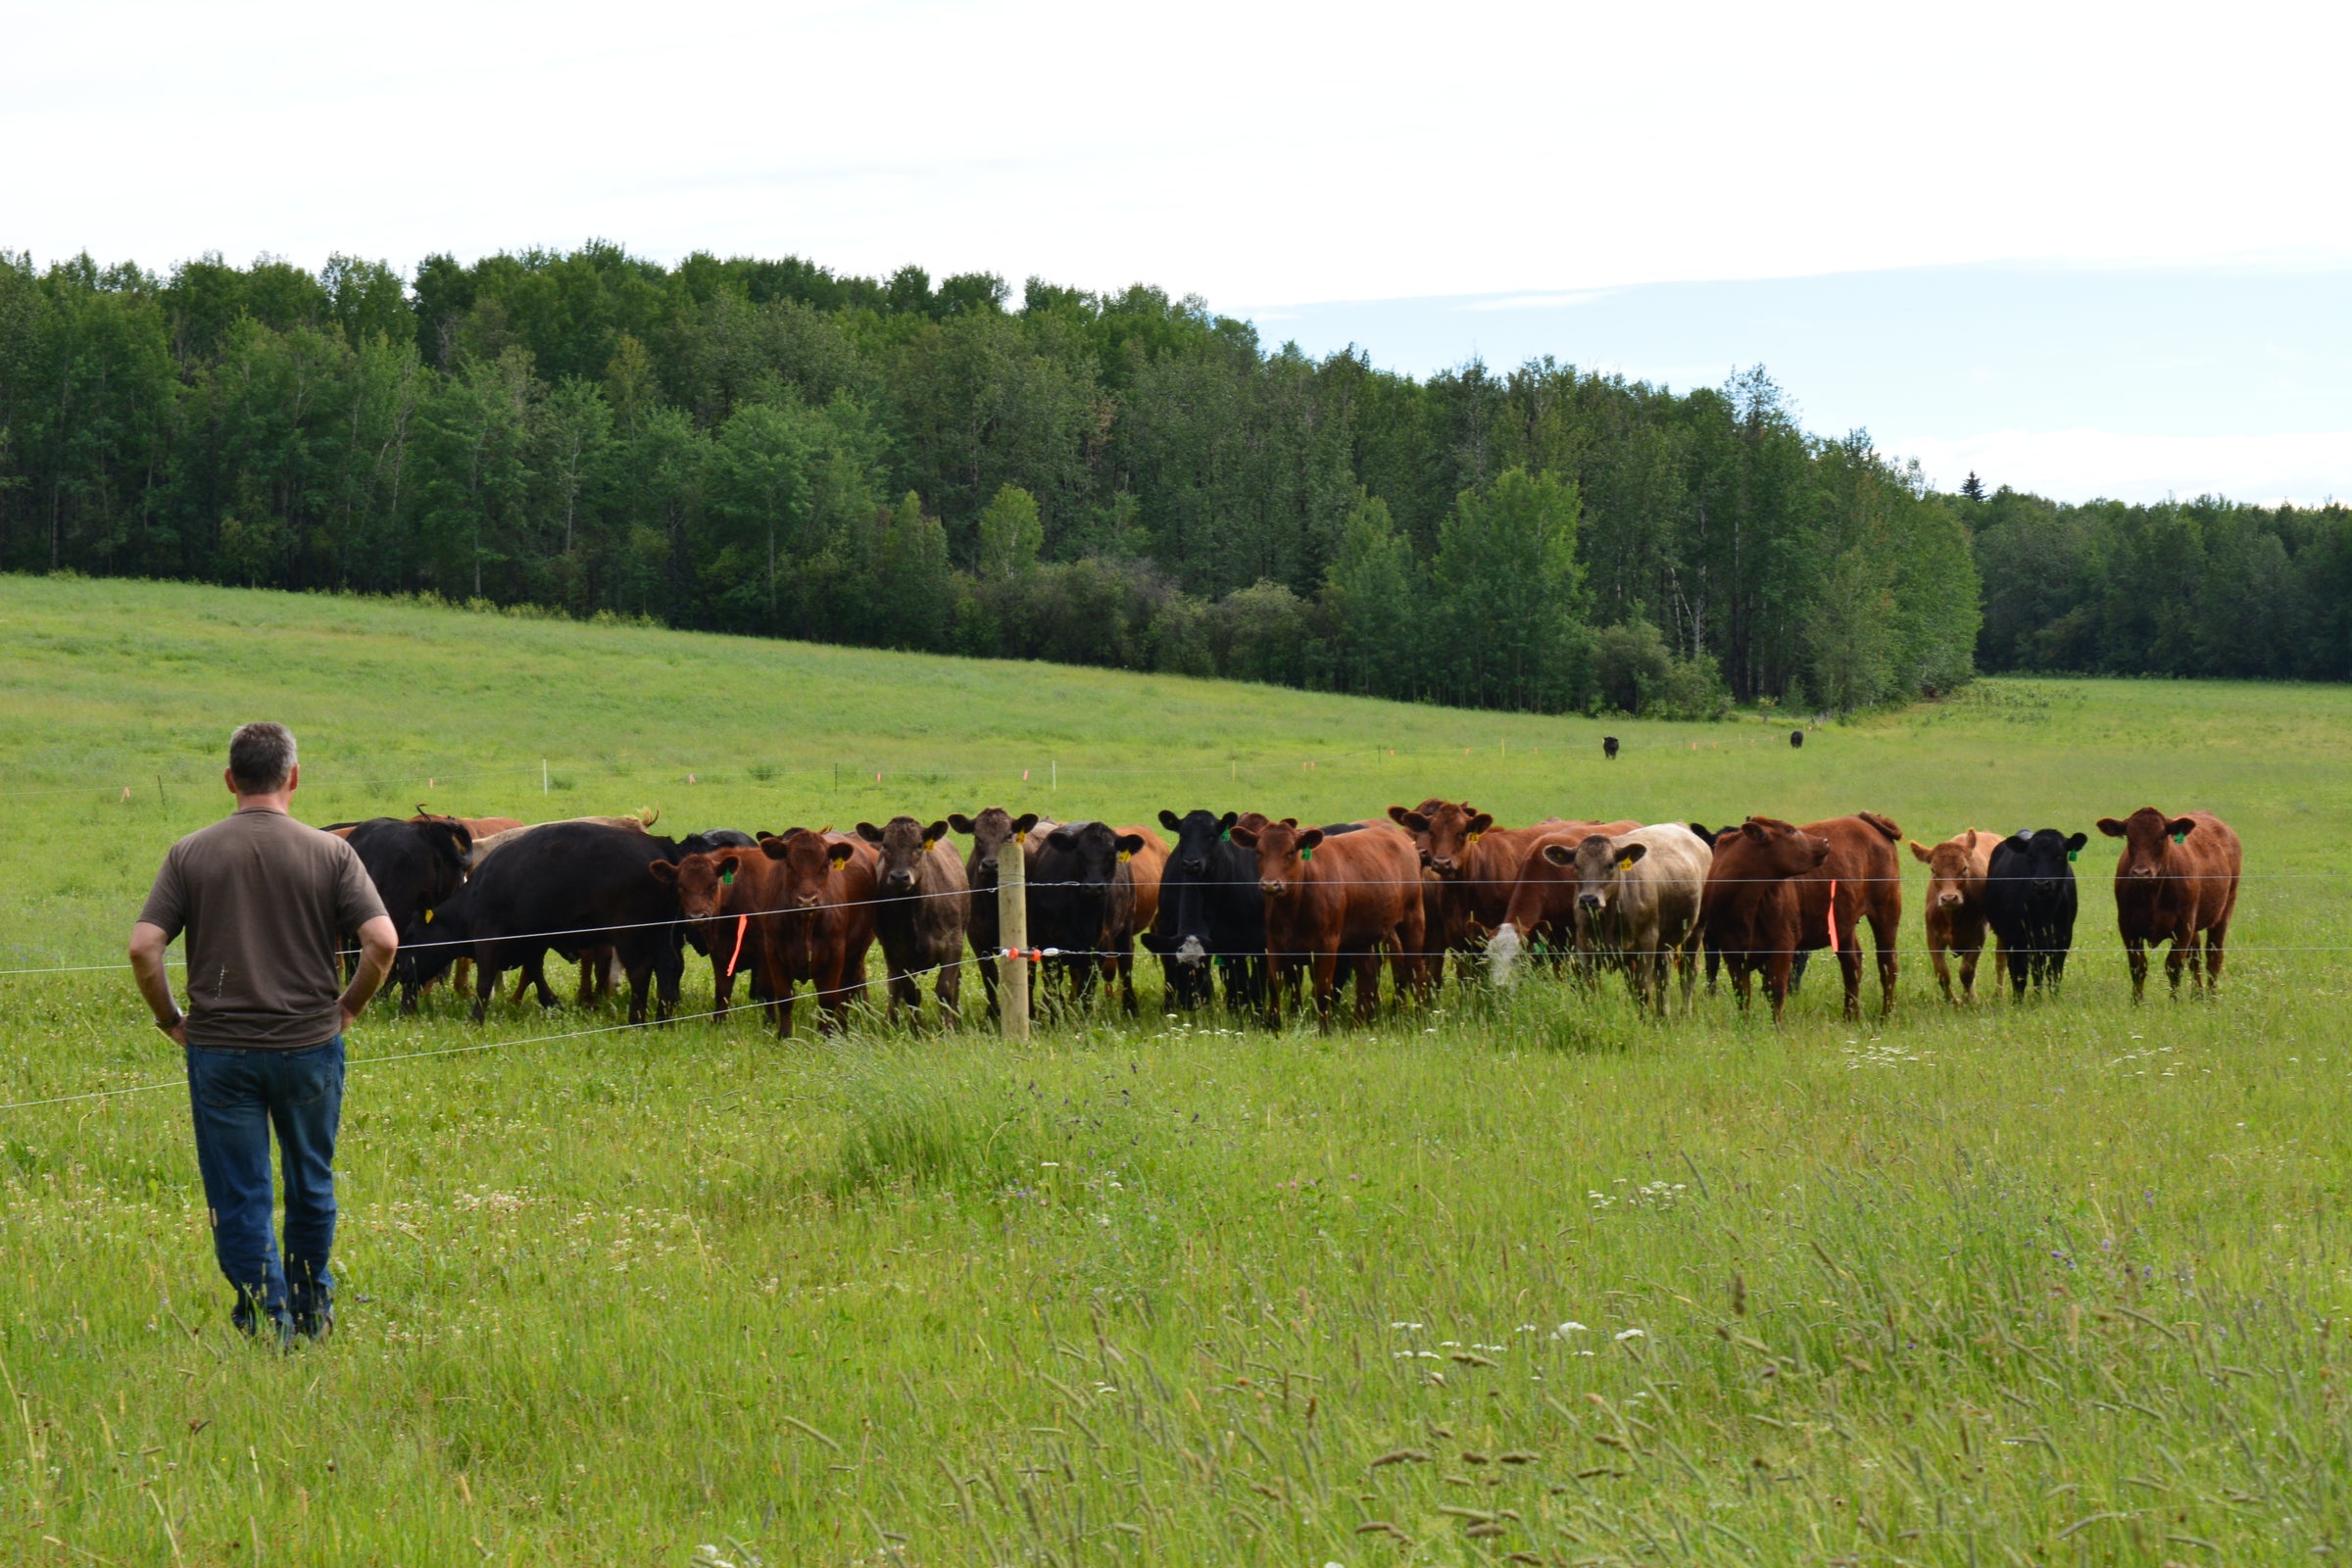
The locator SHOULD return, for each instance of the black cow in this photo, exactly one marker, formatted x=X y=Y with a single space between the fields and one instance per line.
x=2029 y=902
x=1608 y=747
x=1796 y=737
x=1797 y=965
x=1211 y=914
x=1069 y=871
x=415 y=866
x=566 y=887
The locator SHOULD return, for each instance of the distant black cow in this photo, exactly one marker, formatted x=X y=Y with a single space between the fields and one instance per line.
x=1608 y=747
x=1070 y=871
x=1211 y=914
x=566 y=887
x=1797 y=965
x=415 y=866
x=2030 y=902
x=1796 y=737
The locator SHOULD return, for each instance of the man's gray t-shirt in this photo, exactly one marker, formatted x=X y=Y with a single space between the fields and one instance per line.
x=265 y=902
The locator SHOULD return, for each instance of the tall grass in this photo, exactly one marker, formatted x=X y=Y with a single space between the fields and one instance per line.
x=1531 y=1278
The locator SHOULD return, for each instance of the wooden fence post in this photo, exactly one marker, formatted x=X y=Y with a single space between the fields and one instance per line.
x=1012 y=927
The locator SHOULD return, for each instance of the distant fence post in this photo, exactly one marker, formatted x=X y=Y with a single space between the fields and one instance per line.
x=1012 y=927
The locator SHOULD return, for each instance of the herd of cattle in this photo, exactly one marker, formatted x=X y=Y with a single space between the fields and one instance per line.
x=1264 y=910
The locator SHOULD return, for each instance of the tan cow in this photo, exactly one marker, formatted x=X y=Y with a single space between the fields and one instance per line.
x=1956 y=909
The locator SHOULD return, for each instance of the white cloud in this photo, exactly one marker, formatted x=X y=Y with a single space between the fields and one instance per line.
x=2085 y=465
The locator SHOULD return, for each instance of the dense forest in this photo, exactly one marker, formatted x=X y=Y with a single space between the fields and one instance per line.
x=1125 y=479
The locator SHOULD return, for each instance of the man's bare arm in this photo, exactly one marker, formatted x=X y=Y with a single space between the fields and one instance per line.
x=147 y=944
x=378 y=943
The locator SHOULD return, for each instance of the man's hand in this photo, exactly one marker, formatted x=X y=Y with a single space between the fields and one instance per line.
x=147 y=944
x=378 y=943
x=178 y=1032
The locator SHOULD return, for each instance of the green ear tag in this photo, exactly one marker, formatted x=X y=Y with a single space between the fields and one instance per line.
x=2179 y=838
x=1225 y=837
x=1306 y=855
x=729 y=880
x=2070 y=856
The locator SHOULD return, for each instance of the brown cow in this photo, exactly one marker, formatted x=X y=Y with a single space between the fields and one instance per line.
x=988 y=830
x=1541 y=904
x=921 y=906
x=1956 y=911
x=823 y=925
x=1336 y=895
x=1134 y=905
x=728 y=896
x=1770 y=897
x=1474 y=866
x=2176 y=881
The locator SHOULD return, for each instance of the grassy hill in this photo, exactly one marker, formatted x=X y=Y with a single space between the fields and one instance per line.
x=2004 y=1285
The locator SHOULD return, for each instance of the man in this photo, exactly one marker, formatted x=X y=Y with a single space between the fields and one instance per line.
x=265 y=902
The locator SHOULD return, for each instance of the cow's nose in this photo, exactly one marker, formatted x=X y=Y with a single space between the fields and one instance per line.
x=1270 y=888
x=808 y=900
x=1948 y=898
x=1443 y=865
x=2144 y=870
x=1196 y=866
x=902 y=880
x=1590 y=900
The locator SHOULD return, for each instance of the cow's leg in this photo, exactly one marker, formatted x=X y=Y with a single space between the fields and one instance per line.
x=1126 y=964
x=904 y=989
x=1882 y=935
x=722 y=989
x=2183 y=952
x=485 y=986
x=2213 y=957
x=1944 y=969
x=1714 y=962
x=669 y=968
x=1326 y=972
x=988 y=981
x=638 y=974
x=1849 y=970
x=2136 y=959
x=1273 y=991
x=1968 y=970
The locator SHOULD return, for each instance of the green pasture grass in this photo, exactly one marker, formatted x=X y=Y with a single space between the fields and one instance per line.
x=1528 y=1278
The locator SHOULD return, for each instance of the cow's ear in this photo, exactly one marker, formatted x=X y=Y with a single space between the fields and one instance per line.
x=1290 y=821
x=1754 y=830
x=729 y=865
x=1920 y=853
x=934 y=833
x=1398 y=814
x=868 y=832
x=1629 y=854
x=1310 y=838
x=1246 y=837
x=1410 y=821
x=2181 y=827
x=961 y=823
x=1481 y=822
x=1706 y=834
x=1170 y=820
x=1130 y=844
x=2111 y=827
x=1024 y=822
x=1225 y=822
x=839 y=854
x=2076 y=841
x=664 y=871
x=1559 y=854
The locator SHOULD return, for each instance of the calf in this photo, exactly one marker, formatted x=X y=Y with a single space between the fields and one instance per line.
x=921 y=906
x=1761 y=913
x=1071 y=871
x=1956 y=909
x=2176 y=882
x=988 y=830
x=1540 y=910
x=1329 y=897
x=1637 y=899
x=415 y=866
x=823 y=925
x=2029 y=902
x=725 y=894
x=1211 y=915
x=569 y=888
x=1710 y=836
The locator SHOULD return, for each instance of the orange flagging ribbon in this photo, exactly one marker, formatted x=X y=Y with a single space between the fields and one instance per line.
x=1832 y=915
x=741 y=921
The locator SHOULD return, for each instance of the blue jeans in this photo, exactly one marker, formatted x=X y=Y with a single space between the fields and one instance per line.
x=238 y=1096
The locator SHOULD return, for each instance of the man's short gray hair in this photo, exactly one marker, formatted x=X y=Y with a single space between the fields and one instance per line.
x=260 y=756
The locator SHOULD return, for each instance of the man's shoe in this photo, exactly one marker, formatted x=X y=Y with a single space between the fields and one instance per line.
x=314 y=1326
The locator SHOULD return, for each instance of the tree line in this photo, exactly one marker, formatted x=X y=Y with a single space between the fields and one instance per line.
x=1128 y=479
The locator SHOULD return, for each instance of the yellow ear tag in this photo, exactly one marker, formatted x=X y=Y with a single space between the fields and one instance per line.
x=1021 y=837
x=1472 y=839
x=1125 y=856
x=927 y=843
x=428 y=918
x=1625 y=864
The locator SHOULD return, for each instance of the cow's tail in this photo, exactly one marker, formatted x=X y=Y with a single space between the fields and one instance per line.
x=648 y=814
x=1884 y=824
x=1502 y=952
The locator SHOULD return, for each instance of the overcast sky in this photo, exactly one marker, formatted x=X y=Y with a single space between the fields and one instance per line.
x=1293 y=163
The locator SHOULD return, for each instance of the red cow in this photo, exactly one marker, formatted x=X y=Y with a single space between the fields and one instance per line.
x=1133 y=906
x=1329 y=897
x=2176 y=881
x=1540 y=906
x=1474 y=866
x=1772 y=893
x=1956 y=911
x=728 y=896
x=824 y=922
